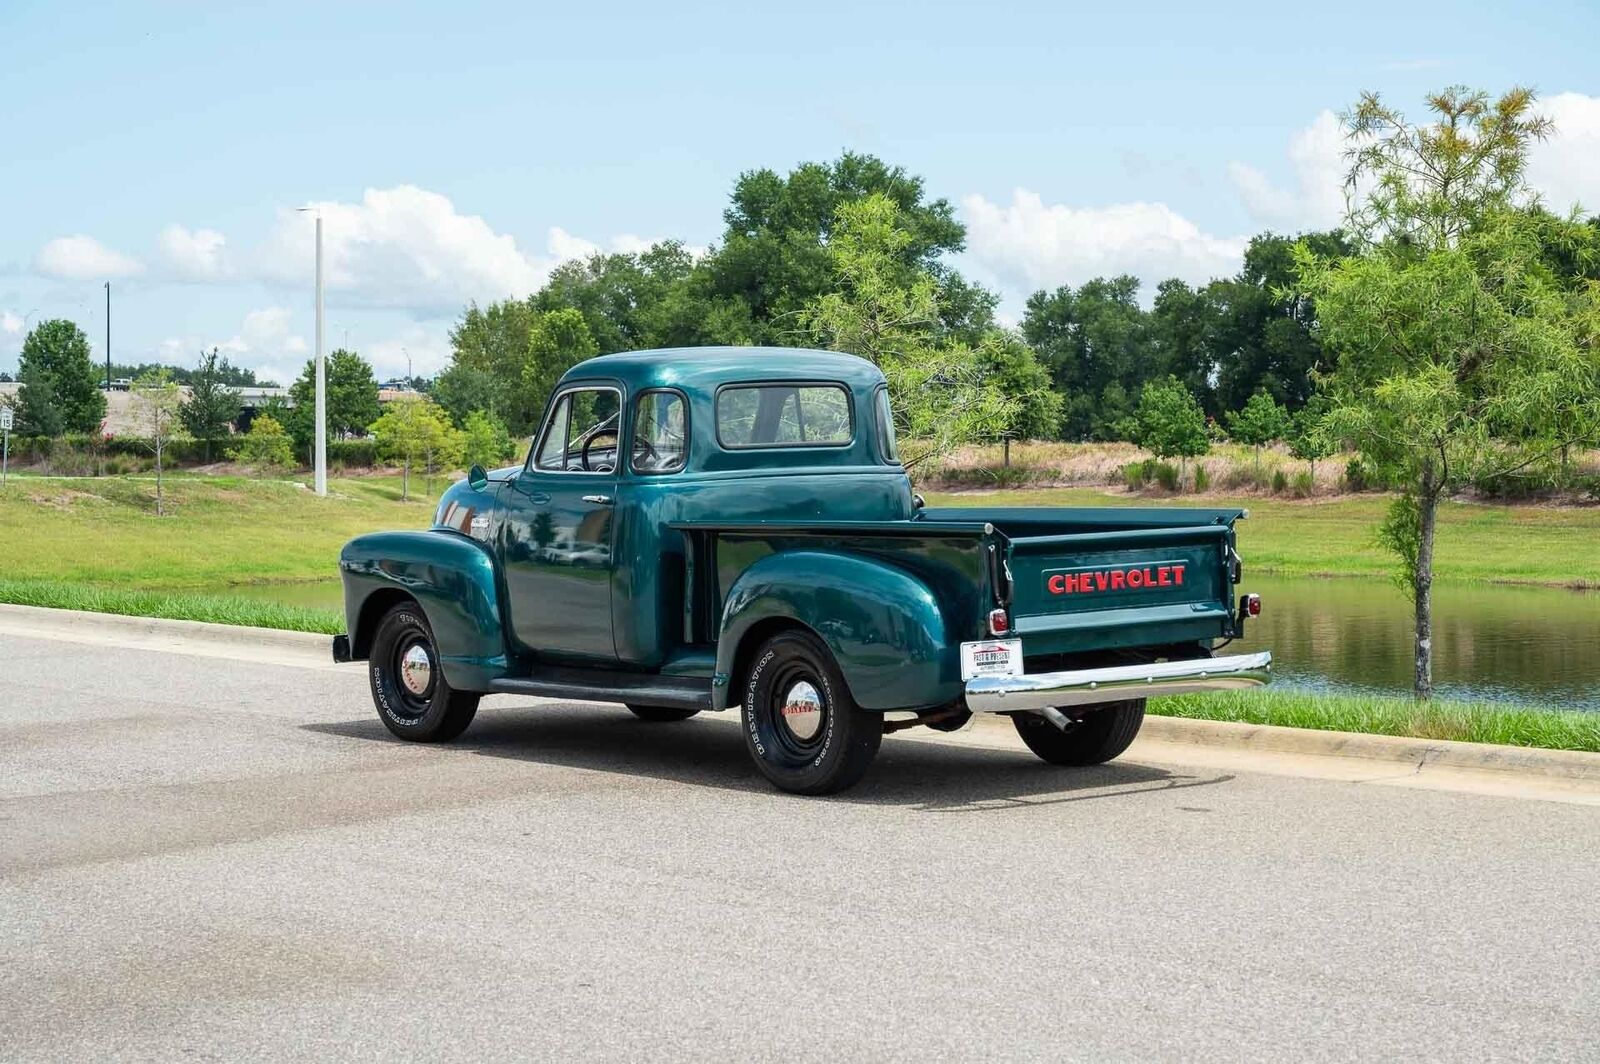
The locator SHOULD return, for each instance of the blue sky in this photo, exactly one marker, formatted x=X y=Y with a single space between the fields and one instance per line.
x=460 y=150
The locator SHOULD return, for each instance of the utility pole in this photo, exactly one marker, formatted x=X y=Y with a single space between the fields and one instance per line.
x=320 y=464
x=108 y=336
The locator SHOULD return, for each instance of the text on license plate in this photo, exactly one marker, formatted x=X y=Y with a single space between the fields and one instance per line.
x=991 y=657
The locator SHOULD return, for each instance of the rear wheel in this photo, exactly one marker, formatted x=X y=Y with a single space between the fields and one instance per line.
x=661 y=714
x=806 y=733
x=1100 y=734
x=413 y=698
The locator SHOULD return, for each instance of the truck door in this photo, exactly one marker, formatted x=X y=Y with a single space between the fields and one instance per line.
x=559 y=529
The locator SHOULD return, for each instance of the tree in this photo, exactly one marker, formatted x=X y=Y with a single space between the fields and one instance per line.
x=462 y=389
x=1460 y=352
x=486 y=441
x=212 y=406
x=1169 y=421
x=1308 y=436
x=1260 y=422
x=156 y=403
x=520 y=354
x=776 y=256
x=942 y=392
x=414 y=430
x=351 y=397
x=60 y=384
x=1091 y=339
x=265 y=447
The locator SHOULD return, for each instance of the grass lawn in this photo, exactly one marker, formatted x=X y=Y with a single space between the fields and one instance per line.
x=1465 y=722
x=1335 y=537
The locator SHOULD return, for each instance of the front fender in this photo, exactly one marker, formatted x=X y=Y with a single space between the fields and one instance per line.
x=883 y=625
x=451 y=577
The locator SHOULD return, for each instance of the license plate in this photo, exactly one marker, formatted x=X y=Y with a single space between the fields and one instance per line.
x=991 y=657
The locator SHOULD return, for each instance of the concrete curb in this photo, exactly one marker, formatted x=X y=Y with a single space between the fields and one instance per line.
x=1523 y=760
x=225 y=640
x=65 y=623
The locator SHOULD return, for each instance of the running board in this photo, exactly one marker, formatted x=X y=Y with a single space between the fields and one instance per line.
x=599 y=685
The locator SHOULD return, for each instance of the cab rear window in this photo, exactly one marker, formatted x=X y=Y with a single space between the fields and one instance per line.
x=784 y=415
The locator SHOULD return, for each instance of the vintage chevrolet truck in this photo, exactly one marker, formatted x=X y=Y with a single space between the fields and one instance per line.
x=707 y=528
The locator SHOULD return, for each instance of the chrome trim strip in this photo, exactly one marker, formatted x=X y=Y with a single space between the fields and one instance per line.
x=1080 y=687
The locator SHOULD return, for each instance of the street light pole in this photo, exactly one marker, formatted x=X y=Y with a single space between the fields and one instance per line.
x=108 y=336
x=320 y=465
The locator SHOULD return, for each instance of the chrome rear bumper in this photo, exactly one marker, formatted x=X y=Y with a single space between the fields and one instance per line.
x=1078 y=687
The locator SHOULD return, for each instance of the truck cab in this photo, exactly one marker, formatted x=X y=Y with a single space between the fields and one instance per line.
x=714 y=528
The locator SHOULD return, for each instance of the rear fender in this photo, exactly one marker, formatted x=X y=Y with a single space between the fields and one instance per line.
x=883 y=625
x=451 y=577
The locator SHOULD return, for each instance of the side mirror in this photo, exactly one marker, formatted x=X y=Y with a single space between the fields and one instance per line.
x=917 y=501
x=477 y=479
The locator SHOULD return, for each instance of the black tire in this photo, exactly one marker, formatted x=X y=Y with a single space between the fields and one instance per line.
x=661 y=714
x=1101 y=734
x=816 y=751
x=434 y=714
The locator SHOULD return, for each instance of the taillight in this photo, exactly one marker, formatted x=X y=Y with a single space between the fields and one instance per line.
x=1252 y=605
x=999 y=623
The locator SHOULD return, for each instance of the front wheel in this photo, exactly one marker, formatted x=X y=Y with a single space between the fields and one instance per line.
x=408 y=687
x=1100 y=734
x=806 y=733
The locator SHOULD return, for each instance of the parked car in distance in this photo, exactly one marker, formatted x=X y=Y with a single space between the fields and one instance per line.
x=718 y=529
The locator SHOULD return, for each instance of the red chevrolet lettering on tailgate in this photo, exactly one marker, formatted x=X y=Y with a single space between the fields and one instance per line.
x=1096 y=580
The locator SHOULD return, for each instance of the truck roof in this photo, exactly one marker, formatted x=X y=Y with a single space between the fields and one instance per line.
x=704 y=368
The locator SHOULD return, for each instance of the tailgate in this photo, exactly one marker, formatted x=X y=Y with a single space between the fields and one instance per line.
x=1138 y=587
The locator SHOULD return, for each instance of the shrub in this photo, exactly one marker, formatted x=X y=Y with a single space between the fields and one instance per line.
x=1280 y=482
x=1303 y=485
x=353 y=454
x=1202 y=478
x=1356 y=476
x=1133 y=474
x=1166 y=474
x=266 y=446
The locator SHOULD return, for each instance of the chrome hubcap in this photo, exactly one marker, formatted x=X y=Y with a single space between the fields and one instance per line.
x=802 y=711
x=416 y=670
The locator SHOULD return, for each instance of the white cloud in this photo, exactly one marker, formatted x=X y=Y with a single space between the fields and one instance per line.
x=1030 y=244
x=1566 y=168
x=562 y=245
x=426 y=344
x=265 y=343
x=1316 y=200
x=83 y=258
x=401 y=247
x=11 y=324
x=194 y=254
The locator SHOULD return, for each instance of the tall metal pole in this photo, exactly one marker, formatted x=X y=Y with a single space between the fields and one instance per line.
x=322 y=382
x=108 y=336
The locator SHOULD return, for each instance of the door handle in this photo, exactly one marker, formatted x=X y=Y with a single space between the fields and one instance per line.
x=598 y=500
x=539 y=496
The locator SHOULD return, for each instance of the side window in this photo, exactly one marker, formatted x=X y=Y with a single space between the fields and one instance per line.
x=660 y=433
x=784 y=415
x=582 y=433
x=887 y=445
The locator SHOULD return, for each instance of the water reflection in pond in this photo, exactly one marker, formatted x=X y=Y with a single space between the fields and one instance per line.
x=1491 y=643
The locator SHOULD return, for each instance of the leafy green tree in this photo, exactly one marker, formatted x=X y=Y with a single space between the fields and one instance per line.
x=60 y=385
x=1170 y=422
x=1460 y=353
x=776 y=256
x=1184 y=324
x=1260 y=422
x=266 y=447
x=1008 y=364
x=156 y=407
x=942 y=392
x=559 y=340
x=461 y=389
x=351 y=399
x=212 y=406
x=414 y=431
x=1308 y=437
x=485 y=441
x=1091 y=339
x=521 y=352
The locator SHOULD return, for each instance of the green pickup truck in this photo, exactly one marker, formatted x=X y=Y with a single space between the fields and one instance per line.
x=698 y=529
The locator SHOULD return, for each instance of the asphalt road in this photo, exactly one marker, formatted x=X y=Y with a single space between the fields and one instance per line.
x=204 y=858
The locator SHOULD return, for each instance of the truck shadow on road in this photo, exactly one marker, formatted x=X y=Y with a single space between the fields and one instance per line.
x=943 y=777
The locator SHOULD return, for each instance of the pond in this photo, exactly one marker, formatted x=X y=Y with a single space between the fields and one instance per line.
x=1491 y=643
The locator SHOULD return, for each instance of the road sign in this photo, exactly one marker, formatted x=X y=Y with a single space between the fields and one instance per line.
x=5 y=443
x=5 y=418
